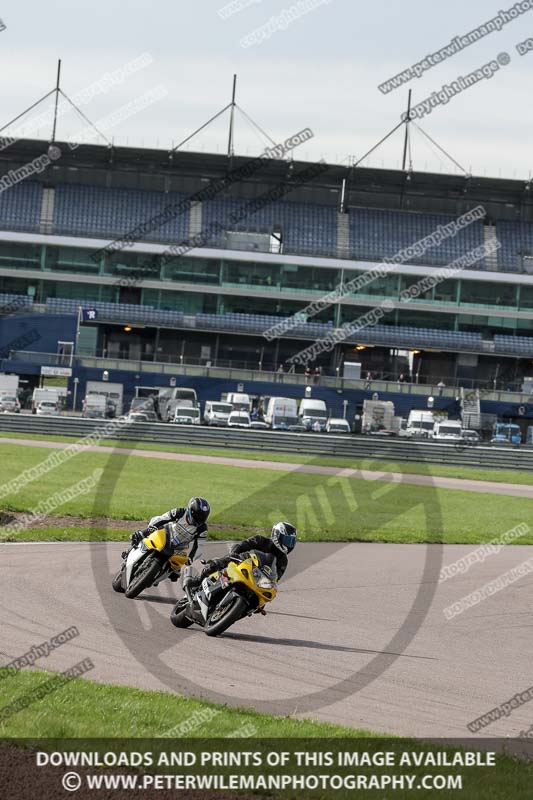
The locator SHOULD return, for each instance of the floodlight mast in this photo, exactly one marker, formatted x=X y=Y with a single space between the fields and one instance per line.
x=407 y=121
x=232 y=117
x=57 y=90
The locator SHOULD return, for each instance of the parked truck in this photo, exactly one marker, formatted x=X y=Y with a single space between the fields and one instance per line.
x=9 y=401
x=420 y=424
x=113 y=392
x=94 y=406
x=239 y=401
x=378 y=416
x=506 y=433
x=217 y=413
x=282 y=413
x=46 y=401
x=168 y=400
x=313 y=414
x=447 y=430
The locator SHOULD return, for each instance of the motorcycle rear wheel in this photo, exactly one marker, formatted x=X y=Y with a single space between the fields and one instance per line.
x=178 y=616
x=235 y=611
x=148 y=572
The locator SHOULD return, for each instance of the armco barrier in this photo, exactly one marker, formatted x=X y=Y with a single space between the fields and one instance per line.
x=348 y=446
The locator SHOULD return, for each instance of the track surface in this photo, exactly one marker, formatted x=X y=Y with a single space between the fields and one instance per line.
x=491 y=487
x=329 y=621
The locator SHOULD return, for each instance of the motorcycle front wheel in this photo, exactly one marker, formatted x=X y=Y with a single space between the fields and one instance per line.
x=221 y=618
x=178 y=617
x=146 y=574
x=117 y=582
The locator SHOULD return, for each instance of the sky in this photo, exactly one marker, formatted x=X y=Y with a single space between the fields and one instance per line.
x=321 y=70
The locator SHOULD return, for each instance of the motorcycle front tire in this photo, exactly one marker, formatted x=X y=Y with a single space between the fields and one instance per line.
x=178 y=616
x=117 y=582
x=148 y=572
x=236 y=611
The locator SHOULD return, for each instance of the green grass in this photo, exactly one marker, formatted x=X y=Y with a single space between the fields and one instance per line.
x=371 y=464
x=323 y=507
x=82 y=708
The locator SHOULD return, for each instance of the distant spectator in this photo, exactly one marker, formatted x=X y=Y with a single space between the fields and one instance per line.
x=441 y=386
x=280 y=373
x=317 y=375
x=307 y=374
x=369 y=379
x=401 y=378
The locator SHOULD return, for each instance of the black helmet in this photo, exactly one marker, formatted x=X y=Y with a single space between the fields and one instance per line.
x=197 y=510
x=284 y=536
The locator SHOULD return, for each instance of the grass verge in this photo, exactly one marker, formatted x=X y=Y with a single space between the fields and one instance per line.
x=324 y=508
x=370 y=464
x=83 y=708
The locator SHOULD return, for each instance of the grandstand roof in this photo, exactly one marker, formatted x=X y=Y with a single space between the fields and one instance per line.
x=185 y=171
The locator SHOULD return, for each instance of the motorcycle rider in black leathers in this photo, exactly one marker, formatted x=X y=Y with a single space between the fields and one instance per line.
x=282 y=541
x=186 y=526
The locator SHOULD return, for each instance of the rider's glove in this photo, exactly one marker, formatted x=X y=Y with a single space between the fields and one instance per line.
x=136 y=538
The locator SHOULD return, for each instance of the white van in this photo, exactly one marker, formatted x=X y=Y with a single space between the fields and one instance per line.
x=185 y=415
x=239 y=401
x=239 y=419
x=447 y=431
x=338 y=425
x=313 y=414
x=420 y=424
x=217 y=413
x=281 y=413
x=169 y=400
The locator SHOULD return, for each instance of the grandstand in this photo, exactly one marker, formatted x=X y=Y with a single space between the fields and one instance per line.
x=253 y=266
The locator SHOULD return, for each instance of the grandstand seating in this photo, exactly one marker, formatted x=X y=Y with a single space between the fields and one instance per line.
x=123 y=312
x=20 y=206
x=407 y=336
x=12 y=301
x=514 y=345
x=516 y=241
x=97 y=211
x=259 y=323
x=376 y=234
x=305 y=228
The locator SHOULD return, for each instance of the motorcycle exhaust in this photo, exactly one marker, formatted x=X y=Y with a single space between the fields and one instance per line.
x=187 y=574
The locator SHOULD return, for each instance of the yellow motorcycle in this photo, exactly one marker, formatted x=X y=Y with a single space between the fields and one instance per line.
x=243 y=588
x=150 y=562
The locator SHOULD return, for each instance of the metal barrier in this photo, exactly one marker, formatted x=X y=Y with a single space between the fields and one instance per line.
x=347 y=446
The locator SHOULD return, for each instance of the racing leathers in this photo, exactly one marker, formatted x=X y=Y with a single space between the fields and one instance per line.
x=262 y=543
x=185 y=537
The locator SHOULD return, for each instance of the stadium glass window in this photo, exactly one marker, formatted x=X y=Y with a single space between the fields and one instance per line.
x=70 y=259
x=250 y=274
x=310 y=279
x=84 y=292
x=446 y=292
x=20 y=256
x=526 y=298
x=14 y=285
x=386 y=286
x=426 y=319
x=122 y=265
x=488 y=294
x=192 y=270
x=407 y=281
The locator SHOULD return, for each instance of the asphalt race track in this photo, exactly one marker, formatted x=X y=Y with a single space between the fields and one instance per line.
x=336 y=645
